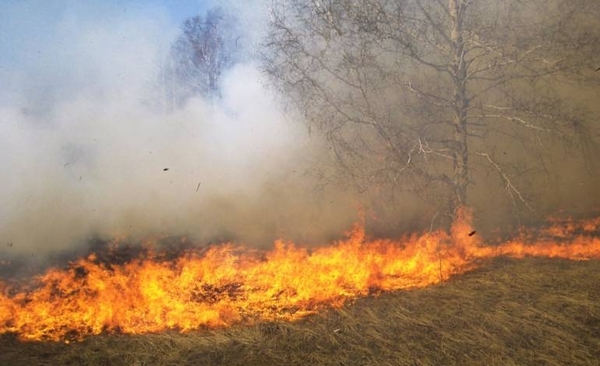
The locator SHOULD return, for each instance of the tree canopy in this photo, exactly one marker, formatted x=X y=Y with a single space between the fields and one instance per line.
x=206 y=47
x=432 y=96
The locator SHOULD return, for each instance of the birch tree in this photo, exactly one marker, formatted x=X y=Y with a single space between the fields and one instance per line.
x=206 y=47
x=432 y=96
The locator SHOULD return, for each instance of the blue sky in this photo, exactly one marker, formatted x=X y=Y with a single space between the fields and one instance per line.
x=25 y=23
x=49 y=49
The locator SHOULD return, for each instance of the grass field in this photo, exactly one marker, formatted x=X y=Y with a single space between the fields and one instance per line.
x=509 y=312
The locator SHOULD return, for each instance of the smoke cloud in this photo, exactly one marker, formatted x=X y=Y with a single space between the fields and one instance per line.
x=85 y=150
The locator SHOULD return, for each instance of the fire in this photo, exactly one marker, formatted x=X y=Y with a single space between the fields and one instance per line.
x=227 y=284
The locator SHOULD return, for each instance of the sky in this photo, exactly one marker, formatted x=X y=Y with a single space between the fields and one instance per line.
x=84 y=146
x=27 y=22
x=34 y=33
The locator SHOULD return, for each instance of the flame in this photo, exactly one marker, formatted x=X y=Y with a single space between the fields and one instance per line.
x=227 y=284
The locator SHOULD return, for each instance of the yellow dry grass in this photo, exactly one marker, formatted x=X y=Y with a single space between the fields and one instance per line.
x=509 y=312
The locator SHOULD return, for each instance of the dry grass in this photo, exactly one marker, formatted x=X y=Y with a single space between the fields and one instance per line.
x=511 y=312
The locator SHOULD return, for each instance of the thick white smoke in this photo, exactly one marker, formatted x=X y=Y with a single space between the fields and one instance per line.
x=85 y=150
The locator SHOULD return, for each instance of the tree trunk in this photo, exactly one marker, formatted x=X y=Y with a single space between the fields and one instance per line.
x=460 y=105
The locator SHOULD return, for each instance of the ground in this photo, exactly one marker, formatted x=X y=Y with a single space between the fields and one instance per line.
x=508 y=312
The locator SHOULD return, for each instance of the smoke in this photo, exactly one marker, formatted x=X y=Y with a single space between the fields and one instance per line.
x=85 y=151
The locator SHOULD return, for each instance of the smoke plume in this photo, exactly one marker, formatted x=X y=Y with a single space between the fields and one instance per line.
x=85 y=148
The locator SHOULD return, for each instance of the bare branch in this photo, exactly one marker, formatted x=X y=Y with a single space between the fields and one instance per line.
x=510 y=187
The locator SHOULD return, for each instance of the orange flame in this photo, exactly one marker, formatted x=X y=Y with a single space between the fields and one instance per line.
x=227 y=284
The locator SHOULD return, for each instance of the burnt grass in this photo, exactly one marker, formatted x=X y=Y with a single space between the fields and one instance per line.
x=509 y=312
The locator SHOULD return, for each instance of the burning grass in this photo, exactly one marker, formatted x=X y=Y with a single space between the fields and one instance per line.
x=530 y=311
x=224 y=285
x=442 y=298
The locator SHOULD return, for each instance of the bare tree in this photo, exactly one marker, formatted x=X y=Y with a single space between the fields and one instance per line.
x=433 y=95
x=206 y=47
